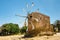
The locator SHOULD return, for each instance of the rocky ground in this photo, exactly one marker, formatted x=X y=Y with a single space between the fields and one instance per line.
x=19 y=37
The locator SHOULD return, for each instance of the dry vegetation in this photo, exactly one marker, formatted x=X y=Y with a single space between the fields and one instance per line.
x=19 y=37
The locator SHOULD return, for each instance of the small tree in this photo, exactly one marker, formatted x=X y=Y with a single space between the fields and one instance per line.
x=23 y=29
x=14 y=29
x=57 y=24
x=10 y=28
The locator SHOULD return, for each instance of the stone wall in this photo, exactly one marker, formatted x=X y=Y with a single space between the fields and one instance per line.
x=38 y=23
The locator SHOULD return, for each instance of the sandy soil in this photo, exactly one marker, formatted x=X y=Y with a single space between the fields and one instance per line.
x=19 y=37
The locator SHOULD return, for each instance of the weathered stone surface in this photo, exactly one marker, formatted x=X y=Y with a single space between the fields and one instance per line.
x=39 y=24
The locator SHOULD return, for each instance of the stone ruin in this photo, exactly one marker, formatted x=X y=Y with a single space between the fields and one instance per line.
x=38 y=24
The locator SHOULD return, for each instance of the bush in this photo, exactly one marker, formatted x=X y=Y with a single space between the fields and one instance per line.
x=23 y=29
x=9 y=28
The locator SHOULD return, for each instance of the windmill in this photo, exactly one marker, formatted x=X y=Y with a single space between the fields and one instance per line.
x=37 y=23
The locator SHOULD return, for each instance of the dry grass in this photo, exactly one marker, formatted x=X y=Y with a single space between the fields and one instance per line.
x=19 y=37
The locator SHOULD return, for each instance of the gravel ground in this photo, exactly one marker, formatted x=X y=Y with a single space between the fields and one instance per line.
x=19 y=37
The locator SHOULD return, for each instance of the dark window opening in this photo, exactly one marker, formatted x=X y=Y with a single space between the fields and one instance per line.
x=30 y=16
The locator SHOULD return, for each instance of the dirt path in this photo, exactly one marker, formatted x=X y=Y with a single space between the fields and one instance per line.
x=19 y=37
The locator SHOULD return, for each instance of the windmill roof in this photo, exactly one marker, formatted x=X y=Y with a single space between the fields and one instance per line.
x=39 y=14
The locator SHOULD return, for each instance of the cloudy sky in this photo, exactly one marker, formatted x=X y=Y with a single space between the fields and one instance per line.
x=9 y=8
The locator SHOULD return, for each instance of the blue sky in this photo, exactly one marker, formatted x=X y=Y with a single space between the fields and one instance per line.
x=8 y=9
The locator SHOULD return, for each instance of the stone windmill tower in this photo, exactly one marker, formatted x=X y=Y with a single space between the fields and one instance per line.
x=39 y=24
